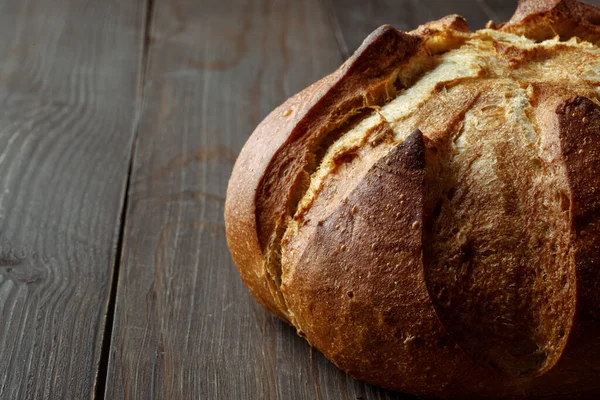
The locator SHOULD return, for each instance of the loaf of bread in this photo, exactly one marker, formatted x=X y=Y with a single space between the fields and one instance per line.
x=428 y=216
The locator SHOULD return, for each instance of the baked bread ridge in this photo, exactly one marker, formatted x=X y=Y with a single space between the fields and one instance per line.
x=248 y=245
x=577 y=123
x=351 y=318
x=253 y=212
x=545 y=19
x=393 y=336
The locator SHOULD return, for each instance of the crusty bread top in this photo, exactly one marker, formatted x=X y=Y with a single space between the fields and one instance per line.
x=428 y=215
x=545 y=19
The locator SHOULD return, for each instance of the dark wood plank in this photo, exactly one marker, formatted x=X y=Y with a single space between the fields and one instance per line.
x=185 y=326
x=499 y=10
x=68 y=89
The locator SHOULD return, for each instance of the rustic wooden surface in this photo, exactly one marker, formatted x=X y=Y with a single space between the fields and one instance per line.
x=68 y=88
x=185 y=326
x=115 y=278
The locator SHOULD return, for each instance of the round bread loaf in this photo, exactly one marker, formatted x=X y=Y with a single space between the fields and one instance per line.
x=428 y=216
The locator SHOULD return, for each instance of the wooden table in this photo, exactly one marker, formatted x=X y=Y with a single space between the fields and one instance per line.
x=120 y=121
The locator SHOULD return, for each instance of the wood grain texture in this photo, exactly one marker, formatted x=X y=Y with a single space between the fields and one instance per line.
x=499 y=10
x=68 y=89
x=185 y=325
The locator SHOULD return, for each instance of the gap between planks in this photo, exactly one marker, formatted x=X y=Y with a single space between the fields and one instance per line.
x=101 y=378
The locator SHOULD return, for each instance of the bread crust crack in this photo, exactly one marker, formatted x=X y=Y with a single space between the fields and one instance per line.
x=428 y=216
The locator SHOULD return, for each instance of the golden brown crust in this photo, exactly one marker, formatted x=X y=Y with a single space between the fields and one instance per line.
x=462 y=260
x=252 y=207
x=545 y=19
x=577 y=122
x=355 y=283
x=486 y=280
